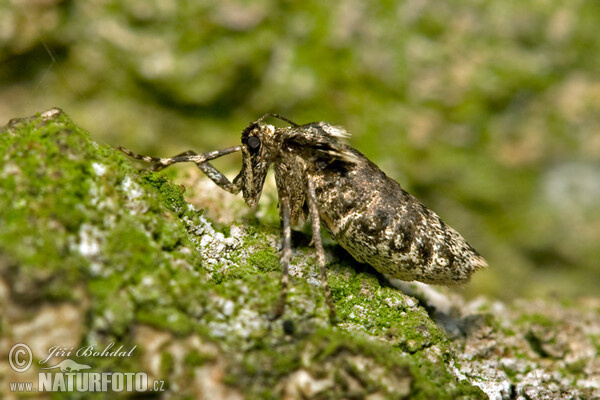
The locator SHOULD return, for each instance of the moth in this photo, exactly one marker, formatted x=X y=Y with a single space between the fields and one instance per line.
x=319 y=176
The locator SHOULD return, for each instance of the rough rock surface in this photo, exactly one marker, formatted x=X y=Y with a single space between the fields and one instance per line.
x=94 y=252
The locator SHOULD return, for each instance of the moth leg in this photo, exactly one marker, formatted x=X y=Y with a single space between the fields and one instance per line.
x=159 y=163
x=316 y=237
x=221 y=180
x=286 y=255
x=201 y=160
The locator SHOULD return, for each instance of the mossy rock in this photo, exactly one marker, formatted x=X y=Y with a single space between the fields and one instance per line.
x=94 y=252
x=97 y=256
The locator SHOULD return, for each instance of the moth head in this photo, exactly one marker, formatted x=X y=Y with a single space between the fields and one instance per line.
x=257 y=147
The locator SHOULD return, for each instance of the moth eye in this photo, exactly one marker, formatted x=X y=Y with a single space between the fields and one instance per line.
x=253 y=143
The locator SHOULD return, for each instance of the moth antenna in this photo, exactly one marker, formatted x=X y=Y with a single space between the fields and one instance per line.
x=273 y=115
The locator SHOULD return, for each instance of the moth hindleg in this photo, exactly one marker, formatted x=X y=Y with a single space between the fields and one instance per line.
x=316 y=236
x=286 y=255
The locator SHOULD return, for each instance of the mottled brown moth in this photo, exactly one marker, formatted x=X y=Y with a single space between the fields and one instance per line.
x=365 y=211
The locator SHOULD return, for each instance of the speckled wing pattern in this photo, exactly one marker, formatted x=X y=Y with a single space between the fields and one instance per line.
x=379 y=223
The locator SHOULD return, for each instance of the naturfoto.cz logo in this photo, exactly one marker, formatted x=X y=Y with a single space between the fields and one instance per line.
x=70 y=376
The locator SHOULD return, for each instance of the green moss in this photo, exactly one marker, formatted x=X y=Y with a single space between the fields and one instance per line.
x=171 y=195
x=536 y=319
x=197 y=359
x=166 y=364
x=576 y=369
x=264 y=260
x=328 y=353
x=167 y=318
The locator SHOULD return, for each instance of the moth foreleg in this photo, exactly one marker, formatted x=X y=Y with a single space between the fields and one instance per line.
x=159 y=163
x=155 y=161
x=286 y=255
x=221 y=180
x=201 y=160
x=316 y=238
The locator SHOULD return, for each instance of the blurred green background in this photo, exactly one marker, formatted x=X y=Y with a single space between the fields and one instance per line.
x=487 y=111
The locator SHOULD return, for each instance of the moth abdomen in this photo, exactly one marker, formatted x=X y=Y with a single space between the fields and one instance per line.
x=380 y=224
